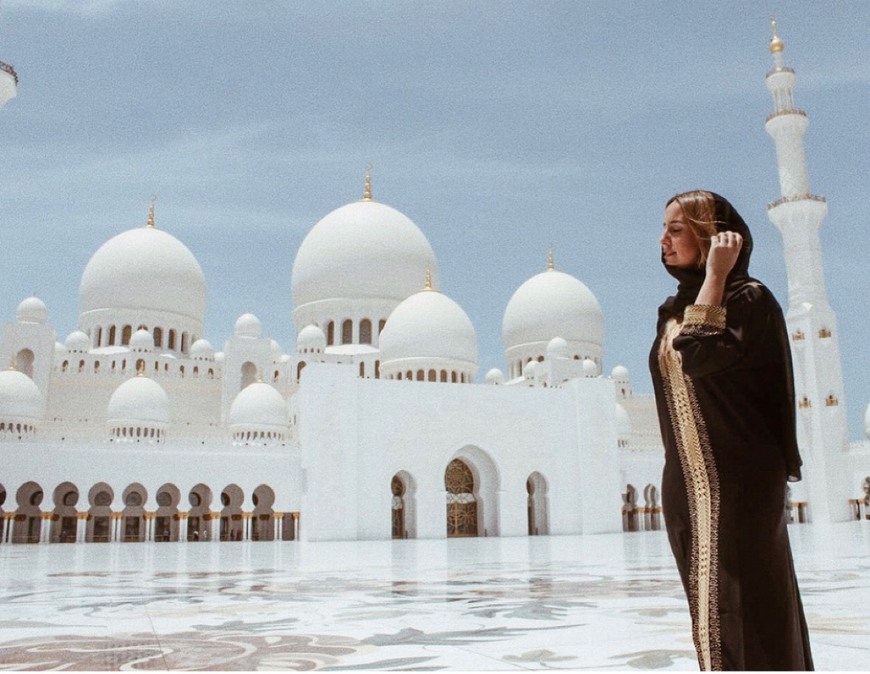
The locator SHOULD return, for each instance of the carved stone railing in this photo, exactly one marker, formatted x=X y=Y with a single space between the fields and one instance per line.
x=799 y=197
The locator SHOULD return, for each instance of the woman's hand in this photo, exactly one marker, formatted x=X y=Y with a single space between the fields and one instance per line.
x=724 y=251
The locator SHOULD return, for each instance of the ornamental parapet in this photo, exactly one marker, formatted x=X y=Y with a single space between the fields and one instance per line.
x=793 y=199
x=7 y=68
x=782 y=113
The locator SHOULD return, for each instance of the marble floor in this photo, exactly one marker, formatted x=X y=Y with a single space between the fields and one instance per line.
x=487 y=604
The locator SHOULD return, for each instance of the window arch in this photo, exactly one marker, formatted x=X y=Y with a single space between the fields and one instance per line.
x=330 y=333
x=347 y=332
x=158 y=337
x=365 y=331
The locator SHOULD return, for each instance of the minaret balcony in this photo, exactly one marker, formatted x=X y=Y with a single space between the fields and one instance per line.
x=782 y=113
x=795 y=198
x=9 y=70
x=8 y=83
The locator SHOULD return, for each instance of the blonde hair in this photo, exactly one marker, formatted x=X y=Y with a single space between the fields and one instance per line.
x=699 y=209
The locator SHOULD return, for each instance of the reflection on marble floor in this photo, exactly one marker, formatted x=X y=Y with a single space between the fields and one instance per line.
x=570 y=603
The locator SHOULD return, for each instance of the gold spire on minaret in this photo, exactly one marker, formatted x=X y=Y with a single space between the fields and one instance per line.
x=150 y=222
x=776 y=44
x=428 y=280
x=551 y=264
x=12 y=362
x=367 y=192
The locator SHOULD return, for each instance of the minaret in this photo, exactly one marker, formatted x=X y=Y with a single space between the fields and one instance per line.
x=8 y=83
x=812 y=325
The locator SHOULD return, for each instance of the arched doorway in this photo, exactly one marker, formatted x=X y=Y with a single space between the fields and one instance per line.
x=198 y=514
x=651 y=511
x=398 y=507
x=64 y=526
x=134 y=514
x=248 y=374
x=536 y=487
x=461 y=502
x=166 y=515
x=24 y=362
x=100 y=513
x=262 y=522
x=28 y=515
x=629 y=508
x=232 y=524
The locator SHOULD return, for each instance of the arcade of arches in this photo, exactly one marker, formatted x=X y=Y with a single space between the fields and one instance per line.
x=72 y=516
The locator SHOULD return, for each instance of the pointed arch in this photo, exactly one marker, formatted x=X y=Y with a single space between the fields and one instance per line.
x=538 y=504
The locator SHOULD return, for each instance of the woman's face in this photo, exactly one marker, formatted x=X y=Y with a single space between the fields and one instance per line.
x=679 y=244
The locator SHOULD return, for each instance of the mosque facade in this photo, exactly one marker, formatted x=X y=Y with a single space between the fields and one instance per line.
x=135 y=428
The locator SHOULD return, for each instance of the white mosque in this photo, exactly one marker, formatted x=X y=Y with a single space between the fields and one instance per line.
x=135 y=428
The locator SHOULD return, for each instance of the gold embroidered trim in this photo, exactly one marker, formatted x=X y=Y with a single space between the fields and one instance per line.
x=702 y=490
x=704 y=319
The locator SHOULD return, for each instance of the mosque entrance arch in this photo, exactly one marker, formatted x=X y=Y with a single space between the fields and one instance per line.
x=199 y=499
x=461 y=501
x=536 y=487
x=100 y=498
x=133 y=526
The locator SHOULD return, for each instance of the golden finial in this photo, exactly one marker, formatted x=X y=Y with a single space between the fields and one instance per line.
x=776 y=45
x=551 y=264
x=367 y=192
x=150 y=222
x=12 y=362
x=428 y=280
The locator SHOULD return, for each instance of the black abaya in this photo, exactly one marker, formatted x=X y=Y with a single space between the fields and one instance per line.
x=723 y=383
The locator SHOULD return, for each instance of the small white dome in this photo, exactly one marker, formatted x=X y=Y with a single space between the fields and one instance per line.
x=31 y=310
x=202 y=349
x=363 y=250
x=529 y=369
x=78 y=342
x=495 y=377
x=619 y=373
x=138 y=402
x=428 y=326
x=220 y=357
x=310 y=340
x=259 y=407
x=557 y=348
x=623 y=422
x=142 y=341
x=20 y=399
x=59 y=348
x=590 y=369
x=248 y=325
x=552 y=304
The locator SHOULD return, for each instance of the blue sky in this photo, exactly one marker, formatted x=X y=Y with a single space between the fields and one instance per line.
x=499 y=128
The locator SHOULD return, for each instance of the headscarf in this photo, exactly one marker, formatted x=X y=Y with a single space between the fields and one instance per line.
x=727 y=219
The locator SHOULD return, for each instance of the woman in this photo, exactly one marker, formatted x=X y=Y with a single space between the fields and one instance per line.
x=722 y=376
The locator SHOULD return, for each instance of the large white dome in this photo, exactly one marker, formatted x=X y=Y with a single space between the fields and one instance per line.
x=20 y=399
x=553 y=304
x=428 y=329
x=147 y=270
x=364 y=250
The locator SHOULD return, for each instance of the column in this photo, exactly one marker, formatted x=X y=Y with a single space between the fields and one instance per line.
x=246 y=528
x=149 y=526
x=278 y=518
x=214 y=527
x=182 y=527
x=45 y=528
x=115 y=535
x=81 y=527
x=7 y=527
